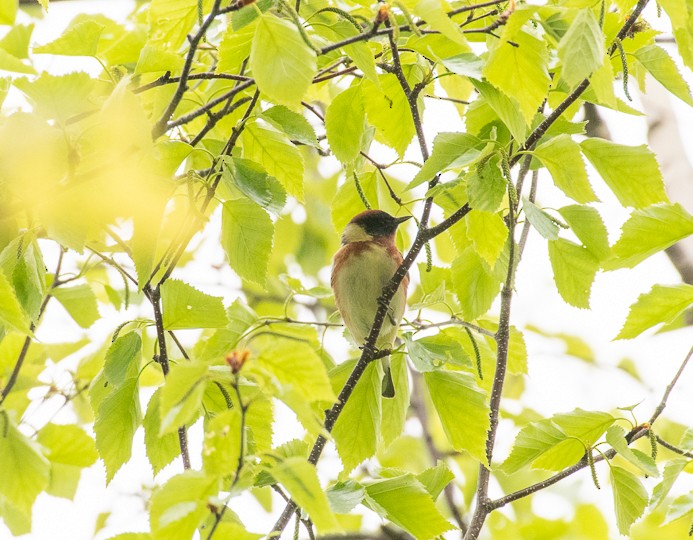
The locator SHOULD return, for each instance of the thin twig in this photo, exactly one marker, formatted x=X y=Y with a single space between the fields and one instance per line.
x=161 y=126
x=670 y=387
x=673 y=448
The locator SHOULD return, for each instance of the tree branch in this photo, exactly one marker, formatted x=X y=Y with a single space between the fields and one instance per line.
x=161 y=126
x=27 y=341
x=673 y=448
x=635 y=434
x=154 y=296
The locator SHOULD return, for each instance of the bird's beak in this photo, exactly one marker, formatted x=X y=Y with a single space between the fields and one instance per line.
x=402 y=219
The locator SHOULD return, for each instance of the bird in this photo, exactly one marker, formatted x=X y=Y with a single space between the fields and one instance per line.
x=364 y=264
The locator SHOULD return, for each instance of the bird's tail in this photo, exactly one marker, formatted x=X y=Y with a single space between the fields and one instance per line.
x=388 y=389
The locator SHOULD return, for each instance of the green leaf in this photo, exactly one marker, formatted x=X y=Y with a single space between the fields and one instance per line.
x=561 y=156
x=118 y=418
x=179 y=507
x=14 y=64
x=616 y=437
x=648 y=231
x=682 y=506
x=181 y=397
x=450 y=150
x=540 y=220
x=436 y=478
x=405 y=502
x=295 y=125
x=154 y=59
x=671 y=472
x=301 y=481
x=222 y=446
x=247 y=233
x=273 y=151
x=507 y=109
x=297 y=366
x=394 y=411
x=25 y=471
x=345 y=496
x=170 y=22
x=463 y=410
x=574 y=269
x=16 y=41
x=465 y=64
x=184 y=306
x=631 y=172
x=82 y=39
x=235 y=48
x=123 y=358
x=223 y=340
x=661 y=66
x=557 y=442
x=11 y=313
x=8 y=11
x=161 y=449
x=630 y=498
x=488 y=234
x=581 y=49
x=388 y=111
x=347 y=202
x=67 y=445
x=282 y=63
x=519 y=70
x=345 y=124
x=661 y=305
x=356 y=430
x=254 y=182
x=434 y=14
x=486 y=187
x=432 y=352
x=80 y=302
x=476 y=286
x=588 y=226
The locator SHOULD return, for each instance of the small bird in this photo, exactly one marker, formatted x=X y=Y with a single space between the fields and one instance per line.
x=363 y=265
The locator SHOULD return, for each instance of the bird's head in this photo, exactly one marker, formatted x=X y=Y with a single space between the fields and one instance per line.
x=371 y=225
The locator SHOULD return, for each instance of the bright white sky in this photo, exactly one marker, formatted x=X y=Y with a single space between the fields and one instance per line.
x=555 y=383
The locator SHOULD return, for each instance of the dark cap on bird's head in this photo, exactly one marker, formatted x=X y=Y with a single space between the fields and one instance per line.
x=378 y=223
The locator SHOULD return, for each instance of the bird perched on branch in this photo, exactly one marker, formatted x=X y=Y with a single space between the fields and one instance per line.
x=364 y=265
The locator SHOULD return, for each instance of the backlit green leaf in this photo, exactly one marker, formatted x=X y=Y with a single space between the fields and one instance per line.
x=661 y=305
x=356 y=430
x=648 y=231
x=282 y=63
x=631 y=172
x=181 y=396
x=297 y=366
x=486 y=186
x=450 y=150
x=581 y=49
x=82 y=39
x=11 y=313
x=663 y=68
x=301 y=481
x=630 y=498
x=588 y=226
x=161 y=449
x=462 y=408
x=80 y=302
x=488 y=234
x=394 y=411
x=184 y=306
x=179 y=507
x=405 y=502
x=561 y=156
x=25 y=470
x=540 y=220
x=671 y=472
x=574 y=269
x=123 y=358
x=273 y=151
x=170 y=21
x=520 y=71
x=557 y=442
x=388 y=111
x=68 y=445
x=345 y=124
x=474 y=284
x=616 y=437
x=254 y=182
x=117 y=419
